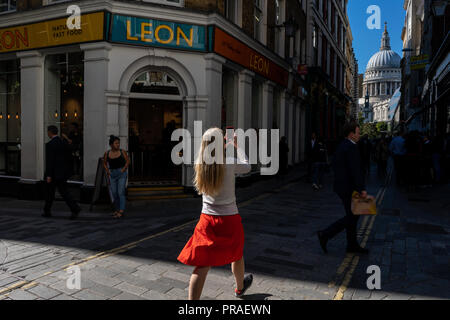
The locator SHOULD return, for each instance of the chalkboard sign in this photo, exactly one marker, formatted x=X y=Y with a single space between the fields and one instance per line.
x=101 y=179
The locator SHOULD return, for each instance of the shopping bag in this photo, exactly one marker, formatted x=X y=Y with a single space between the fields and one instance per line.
x=362 y=206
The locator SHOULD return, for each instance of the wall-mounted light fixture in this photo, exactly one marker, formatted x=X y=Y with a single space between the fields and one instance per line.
x=56 y=113
x=290 y=27
x=1 y=115
x=17 y=115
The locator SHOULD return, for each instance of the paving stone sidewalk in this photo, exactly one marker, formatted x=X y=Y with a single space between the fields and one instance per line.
x=410 y=242
x=280 y=217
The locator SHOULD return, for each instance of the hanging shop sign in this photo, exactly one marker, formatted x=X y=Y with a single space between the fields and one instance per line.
x=158 y=33
x=302 y=69
x=419 y=62
x=51 y=33
x=238 y=52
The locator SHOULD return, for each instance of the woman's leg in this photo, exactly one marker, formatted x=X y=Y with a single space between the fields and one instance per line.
x=238 y=269
x=121 y=191
x=198 y=278
x=114 y=191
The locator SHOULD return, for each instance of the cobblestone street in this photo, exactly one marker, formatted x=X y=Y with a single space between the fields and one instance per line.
x=135 y=258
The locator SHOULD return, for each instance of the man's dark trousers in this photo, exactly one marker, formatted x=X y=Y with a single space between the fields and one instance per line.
x=348 y=178
x=63 y=189
x=349 y=222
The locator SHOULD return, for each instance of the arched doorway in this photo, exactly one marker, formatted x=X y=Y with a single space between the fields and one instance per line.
x=155 y=111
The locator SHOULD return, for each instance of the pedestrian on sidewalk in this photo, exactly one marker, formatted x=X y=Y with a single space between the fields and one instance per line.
x=309 y=155
x=319 y=162
x=284 y=155
x=116 y=162
x=398 y=151
x=218 y=238
x=58 y=165
x=365 y=150
x=348 y=178
x=382 y=156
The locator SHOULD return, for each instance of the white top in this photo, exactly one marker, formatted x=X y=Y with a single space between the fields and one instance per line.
x=224 y=203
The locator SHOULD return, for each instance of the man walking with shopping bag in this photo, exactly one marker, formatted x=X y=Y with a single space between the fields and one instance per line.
x=348 y=178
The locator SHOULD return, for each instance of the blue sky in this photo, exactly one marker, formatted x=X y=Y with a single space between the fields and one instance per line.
x=366 y=42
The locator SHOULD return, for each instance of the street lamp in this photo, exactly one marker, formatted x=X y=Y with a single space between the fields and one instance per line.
x=438 y=7
x=290 y=27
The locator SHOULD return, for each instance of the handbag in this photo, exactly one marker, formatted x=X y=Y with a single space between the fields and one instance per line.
x=363 y=206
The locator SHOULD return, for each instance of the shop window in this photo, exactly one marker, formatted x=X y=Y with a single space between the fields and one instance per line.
x=231 y=10
x=7 y=5
x=10 y=117
x=256 y=104
x=276 y=109
x=229 y=98
x=64 y=94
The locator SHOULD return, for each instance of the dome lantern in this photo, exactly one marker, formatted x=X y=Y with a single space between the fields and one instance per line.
x=385 y=40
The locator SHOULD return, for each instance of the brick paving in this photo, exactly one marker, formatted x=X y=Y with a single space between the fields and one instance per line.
x=409 y=241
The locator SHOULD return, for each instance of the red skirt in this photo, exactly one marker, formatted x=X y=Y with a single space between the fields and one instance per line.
x=217 y=241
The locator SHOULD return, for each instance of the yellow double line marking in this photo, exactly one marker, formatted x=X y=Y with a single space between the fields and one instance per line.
x=351 y=260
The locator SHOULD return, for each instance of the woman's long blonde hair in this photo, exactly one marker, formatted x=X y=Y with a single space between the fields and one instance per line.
x=208 y=178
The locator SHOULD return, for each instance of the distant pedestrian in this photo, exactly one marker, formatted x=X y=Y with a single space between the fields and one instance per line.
x=58 y=169
x=398 y=152
x=412 y=160
x=319 y=158
x=218 y=238
x=365 y=149
x=309 y=155
x=426 y=161
x=348 y=178
x=284 y=155
x=438 y=152
x=116 y=162
x=382 y=156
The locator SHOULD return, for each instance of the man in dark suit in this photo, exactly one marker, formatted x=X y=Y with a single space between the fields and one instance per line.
x=57 y=171
x=310 y=145
x=348 y=178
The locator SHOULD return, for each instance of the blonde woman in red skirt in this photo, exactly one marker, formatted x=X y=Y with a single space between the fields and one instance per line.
x=218 y=238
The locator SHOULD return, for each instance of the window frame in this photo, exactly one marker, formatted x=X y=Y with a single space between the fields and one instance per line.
x=258 y=8
x=234 y=17
x=166 y=2
x=9 y=10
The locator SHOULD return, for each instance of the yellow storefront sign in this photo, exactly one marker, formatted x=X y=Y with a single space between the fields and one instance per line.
x=51 y=33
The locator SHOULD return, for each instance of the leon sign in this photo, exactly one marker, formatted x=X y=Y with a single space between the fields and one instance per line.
x=238 y=52
x=51 y=33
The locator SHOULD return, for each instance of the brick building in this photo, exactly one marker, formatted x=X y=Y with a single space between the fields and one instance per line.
x=328 y=57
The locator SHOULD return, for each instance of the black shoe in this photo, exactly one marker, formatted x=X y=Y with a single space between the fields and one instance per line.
x=357 y=249
x=323 y=241
x=47 y=215
x=248 y=279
